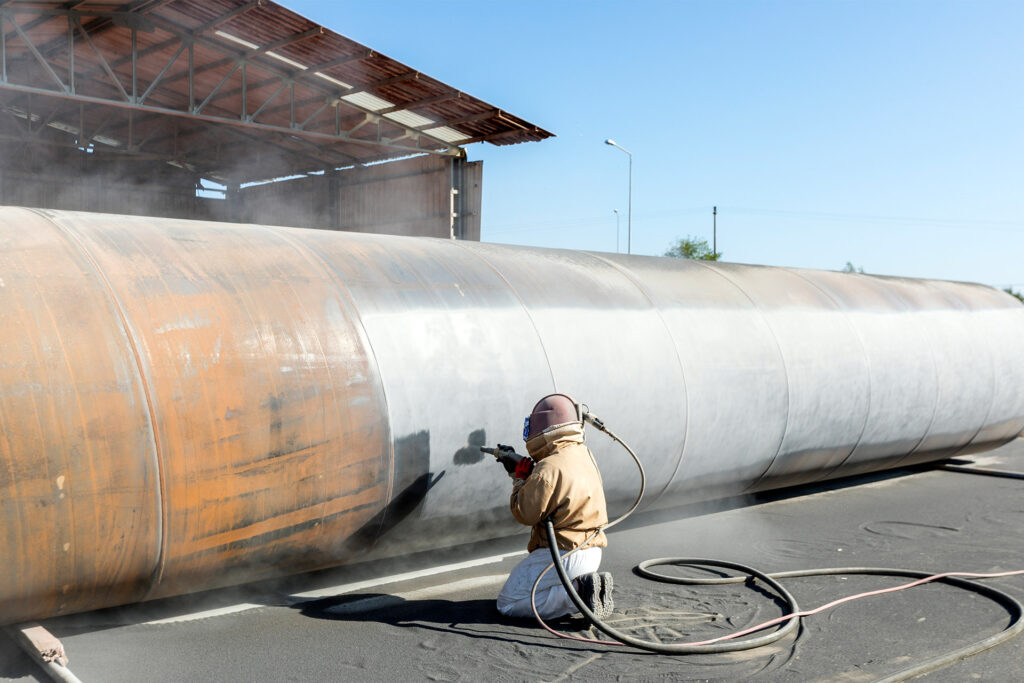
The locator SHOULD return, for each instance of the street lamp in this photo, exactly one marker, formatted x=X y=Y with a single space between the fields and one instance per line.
x=629 y=216
x=616 y=212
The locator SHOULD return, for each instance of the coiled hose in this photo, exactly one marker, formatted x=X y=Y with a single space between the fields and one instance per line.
x=790 y=620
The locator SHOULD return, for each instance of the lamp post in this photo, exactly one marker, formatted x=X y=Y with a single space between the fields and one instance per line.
x=714 y=228
x=629 y=215
x=616 y=212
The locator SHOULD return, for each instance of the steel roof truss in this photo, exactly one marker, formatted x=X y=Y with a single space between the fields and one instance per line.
x=172 y=27
x=408 y=106
x=137 y=146
x=302 y=126
x=449 y=149
x=231 y=60
x=38 y=56
x=208 y=130
x=401 y=78
x=367 y=118
x=314 y=125
x=22 y=122
x=137 y=151
x=85 y=141
x=234 y=68
x=43 y=123
x=259 y=110
x=163 y=72
x=314 y=161
x=482 y=116
x=227 y=16
x=103 y=61
x=320 y=68
x=287 y=130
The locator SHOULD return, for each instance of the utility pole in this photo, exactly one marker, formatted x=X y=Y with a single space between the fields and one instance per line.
x=714 y=229
x=616 y=211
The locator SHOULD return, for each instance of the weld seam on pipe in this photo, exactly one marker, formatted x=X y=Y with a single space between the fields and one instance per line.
x=867 y=364
x=313 y=256
x=522 y=303
x=76 y=241
x=785 y=373
x=653 y=498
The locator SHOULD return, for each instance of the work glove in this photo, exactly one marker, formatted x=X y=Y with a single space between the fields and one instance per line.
x=517 y=466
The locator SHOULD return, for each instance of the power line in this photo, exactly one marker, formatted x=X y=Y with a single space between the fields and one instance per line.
x=596 y=221
x=822 y=215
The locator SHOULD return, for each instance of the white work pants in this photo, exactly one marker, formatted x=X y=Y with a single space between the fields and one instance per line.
x=552 y=600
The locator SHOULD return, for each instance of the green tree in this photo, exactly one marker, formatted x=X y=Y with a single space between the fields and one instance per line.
x=693 y=248
x=1012 y=292
x=850 y=268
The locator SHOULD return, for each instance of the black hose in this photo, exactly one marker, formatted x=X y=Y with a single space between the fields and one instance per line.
x=1012 y=605
x=982 y=470
x=678 y=649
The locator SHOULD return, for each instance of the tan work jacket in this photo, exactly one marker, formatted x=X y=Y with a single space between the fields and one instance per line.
x=566 y=484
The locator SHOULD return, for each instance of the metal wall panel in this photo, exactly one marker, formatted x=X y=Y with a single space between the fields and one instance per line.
x=407 y=197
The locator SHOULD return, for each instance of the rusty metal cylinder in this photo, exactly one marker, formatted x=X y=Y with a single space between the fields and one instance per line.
x=185 y=405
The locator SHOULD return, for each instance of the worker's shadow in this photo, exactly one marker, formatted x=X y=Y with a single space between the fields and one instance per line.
x=470 y=618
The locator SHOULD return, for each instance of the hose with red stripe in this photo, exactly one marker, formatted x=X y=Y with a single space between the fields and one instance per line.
x=791 y=619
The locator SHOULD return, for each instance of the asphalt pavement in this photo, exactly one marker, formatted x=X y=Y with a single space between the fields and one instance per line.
x=432 y=617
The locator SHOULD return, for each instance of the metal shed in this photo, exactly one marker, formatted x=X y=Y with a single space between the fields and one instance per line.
x=128 y=107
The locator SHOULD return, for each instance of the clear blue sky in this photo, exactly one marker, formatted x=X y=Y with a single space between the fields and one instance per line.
x=889 y=134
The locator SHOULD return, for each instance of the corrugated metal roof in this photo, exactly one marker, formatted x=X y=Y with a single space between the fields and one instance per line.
x=202 y=81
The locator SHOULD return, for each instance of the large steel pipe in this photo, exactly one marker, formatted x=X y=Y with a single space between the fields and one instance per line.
x=185 y=405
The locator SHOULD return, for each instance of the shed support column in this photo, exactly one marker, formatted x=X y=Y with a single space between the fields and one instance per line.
x=233 y=195
x=458 y=197
x=470 y=176
x=334 y=199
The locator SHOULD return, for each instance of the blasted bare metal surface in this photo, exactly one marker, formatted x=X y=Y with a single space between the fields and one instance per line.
x=187 y=405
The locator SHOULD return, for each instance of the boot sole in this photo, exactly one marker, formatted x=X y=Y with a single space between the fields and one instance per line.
x=605 y=598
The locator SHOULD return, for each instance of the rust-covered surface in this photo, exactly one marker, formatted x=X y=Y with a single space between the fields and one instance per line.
x=79 y=473
x=187 y=404
x=181 y=408
x=257 y=374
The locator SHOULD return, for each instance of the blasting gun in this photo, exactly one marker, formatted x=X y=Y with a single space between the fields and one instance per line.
x=517 y=466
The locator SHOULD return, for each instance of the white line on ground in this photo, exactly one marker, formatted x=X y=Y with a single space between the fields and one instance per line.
x=361 y=585
x=407 y=576
x=206 y=614
x=379 y=601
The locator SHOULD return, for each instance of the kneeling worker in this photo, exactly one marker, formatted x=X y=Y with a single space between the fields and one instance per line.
x=561 y=481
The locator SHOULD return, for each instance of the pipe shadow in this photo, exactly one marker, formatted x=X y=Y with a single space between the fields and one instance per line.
x=476 y=619
x=14 y=663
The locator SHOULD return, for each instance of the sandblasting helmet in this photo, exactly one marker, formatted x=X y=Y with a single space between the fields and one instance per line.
x=551 y=411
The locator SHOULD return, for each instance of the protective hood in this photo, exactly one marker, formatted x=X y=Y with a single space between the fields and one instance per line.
x=554 y=410
x=543 y=445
